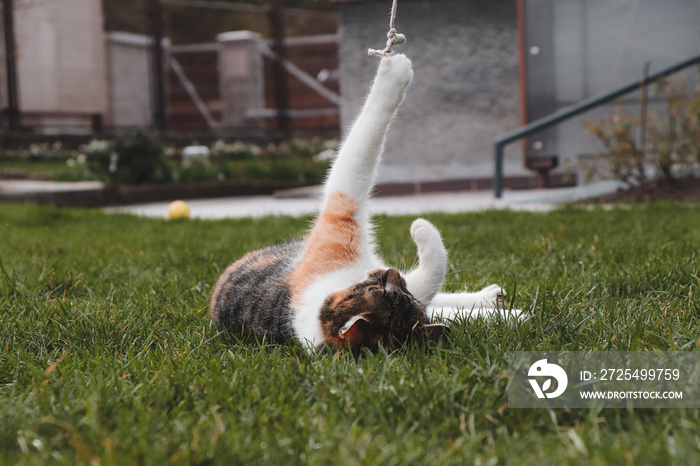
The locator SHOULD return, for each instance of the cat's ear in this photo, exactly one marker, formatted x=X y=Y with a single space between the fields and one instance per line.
x=433 y=331
x=354 y=331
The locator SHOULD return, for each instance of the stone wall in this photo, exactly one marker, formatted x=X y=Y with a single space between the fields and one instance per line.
x=465 y=90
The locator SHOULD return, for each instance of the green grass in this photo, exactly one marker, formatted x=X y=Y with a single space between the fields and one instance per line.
x=32 y=167
x=107 y=354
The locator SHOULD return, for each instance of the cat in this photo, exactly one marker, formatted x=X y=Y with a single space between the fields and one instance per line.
x=331 y=289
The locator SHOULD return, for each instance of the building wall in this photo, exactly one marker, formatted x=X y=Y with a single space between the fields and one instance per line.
x=128 y=66
x=465 y=90
x=576 y=50
x=61 y=62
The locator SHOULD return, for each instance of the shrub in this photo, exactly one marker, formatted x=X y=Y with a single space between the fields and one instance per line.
x=100 y=158
x=654 y=145
x=197 y=172
x=47 y=152
x=235 y=150
x=141 y=159
x=288 y=170
x=256 y=170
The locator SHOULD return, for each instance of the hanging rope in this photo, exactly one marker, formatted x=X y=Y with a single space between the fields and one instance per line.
x=393 y=38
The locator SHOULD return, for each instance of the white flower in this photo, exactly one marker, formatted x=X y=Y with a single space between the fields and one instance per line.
x=113 y=159
x=96 y=146
x=218 y=146
x=322 y=156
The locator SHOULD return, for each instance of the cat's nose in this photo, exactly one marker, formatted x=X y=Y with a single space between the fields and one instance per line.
x=393 y=281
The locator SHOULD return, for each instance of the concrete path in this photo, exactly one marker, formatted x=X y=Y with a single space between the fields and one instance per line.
x=539 y=200
x=22 y=187
x=78 y=194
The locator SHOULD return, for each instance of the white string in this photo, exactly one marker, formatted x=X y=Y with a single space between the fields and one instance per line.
x=393 y=37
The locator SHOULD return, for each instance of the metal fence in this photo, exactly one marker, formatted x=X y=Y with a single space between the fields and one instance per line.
x=185 y=68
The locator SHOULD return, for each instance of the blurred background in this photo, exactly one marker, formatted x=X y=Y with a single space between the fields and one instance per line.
x=89 y=66
x=205 y=72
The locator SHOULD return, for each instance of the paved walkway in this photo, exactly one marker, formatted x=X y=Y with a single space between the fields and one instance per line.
x=539 y=200
x=21 y=187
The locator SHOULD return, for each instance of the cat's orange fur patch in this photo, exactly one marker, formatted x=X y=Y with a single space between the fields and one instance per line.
x=333 y=244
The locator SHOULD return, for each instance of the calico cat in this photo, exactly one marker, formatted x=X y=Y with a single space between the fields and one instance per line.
x=331 y=289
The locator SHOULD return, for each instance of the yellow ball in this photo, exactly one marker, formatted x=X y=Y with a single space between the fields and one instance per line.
x=178 y=209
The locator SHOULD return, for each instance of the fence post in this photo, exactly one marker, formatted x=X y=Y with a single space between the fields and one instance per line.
x=155 y=13
x=11 y=65
x=279 y=74
x=498 y=172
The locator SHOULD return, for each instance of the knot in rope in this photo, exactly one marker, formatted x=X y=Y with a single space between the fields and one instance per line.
x=393 y=38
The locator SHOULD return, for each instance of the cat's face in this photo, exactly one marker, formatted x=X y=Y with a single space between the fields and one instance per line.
x=379 y=310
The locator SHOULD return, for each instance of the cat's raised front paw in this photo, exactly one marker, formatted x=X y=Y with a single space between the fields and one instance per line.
x=398 y=68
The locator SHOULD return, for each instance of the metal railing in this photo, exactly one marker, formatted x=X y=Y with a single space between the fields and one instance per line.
x=565 y=113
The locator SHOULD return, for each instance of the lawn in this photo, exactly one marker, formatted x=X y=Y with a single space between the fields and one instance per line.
x=107 y=354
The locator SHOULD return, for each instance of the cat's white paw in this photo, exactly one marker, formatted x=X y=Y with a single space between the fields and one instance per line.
x=398 y=69
x=491 y=295
x=425 y=235
x=493 y=290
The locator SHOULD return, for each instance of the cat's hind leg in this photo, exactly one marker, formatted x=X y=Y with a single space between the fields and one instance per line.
x=485 y=303
x=426 y=280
